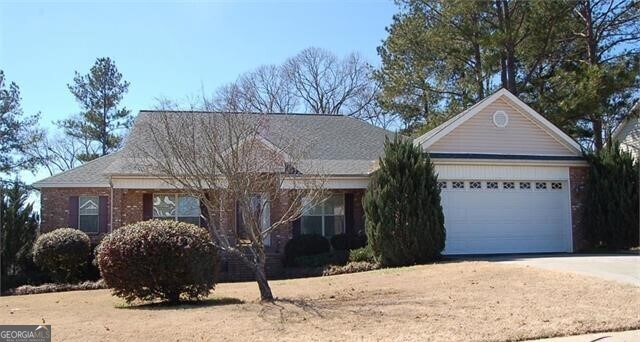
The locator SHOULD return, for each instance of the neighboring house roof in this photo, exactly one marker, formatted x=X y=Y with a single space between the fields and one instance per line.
x=503 y=98
x=336 y=145
x=634 y=116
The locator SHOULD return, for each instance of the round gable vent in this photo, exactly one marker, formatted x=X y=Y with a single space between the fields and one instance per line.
x=500 y=119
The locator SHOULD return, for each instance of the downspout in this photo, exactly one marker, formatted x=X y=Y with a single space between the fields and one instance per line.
x=111 y=206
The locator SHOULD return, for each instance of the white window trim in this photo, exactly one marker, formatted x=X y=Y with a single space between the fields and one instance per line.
x=98 y=215
x=265 y=216
x=175 y=216
x=344 y=228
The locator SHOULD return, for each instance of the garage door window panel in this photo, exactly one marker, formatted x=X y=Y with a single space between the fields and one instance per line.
x=541 y=186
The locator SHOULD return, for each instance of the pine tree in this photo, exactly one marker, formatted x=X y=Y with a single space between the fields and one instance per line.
x=404 y=218
x=16 y=130
x=99 y=93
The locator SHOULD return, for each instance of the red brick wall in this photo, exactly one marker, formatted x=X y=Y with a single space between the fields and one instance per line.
x=127 y=209
x=54 y=206
x=578 y=179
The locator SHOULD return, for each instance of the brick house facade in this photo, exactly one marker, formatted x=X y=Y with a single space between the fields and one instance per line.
x=511 y=181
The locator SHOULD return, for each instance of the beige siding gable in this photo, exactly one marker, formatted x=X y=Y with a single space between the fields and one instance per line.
x=521 y=136
x=629 y=137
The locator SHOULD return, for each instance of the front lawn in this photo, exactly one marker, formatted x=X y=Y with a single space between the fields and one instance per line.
x=470 y=301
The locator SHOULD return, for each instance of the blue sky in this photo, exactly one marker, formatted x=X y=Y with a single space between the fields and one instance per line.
x=170 y=48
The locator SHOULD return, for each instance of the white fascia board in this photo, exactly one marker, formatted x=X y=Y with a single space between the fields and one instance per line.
x=327 y=183
x=361 y=182
x=448 y=161
x=70 y=185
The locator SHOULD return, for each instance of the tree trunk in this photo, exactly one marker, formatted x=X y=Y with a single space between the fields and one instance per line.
x=263 y=283
x=596 y=122
x=478 y=57
x=592 y=54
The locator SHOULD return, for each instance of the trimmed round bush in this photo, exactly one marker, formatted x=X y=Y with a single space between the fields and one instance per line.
x=340 y=242
x=304 y=245
x=158 y=259
x=63 y=253
x=345 y=242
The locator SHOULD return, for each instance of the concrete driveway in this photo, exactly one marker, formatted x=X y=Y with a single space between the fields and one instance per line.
x=623 y=268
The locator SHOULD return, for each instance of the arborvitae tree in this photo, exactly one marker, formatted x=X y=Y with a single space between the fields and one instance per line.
x=18 y=229
x=611 y=206
x=404 y=219
x=102 y=120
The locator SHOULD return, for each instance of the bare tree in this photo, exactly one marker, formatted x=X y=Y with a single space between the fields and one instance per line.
x=315 y=81
x=224 y=160
x=264 y=90
x=60 y=152
x=329 y=85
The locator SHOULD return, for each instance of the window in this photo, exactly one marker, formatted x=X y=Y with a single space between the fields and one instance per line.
x=326 y=218
x=457 y=185
x=541 y=185
x=88 y=220
x=556 y=186
x=525 y=185
x=475 y=185
x=259 y=204
x=182 y=208
x=492 y=185
x=442 y=185
x=508 y=185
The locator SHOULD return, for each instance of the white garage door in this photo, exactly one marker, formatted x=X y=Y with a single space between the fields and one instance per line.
x=506 y=216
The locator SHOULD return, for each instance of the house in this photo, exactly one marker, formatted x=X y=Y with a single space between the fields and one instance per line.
x=511 y=181
x=628 y=132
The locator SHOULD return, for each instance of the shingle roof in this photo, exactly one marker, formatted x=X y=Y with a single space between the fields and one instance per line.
x=336 y=145
x=90 y=174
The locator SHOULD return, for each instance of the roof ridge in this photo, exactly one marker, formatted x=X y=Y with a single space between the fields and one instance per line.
x=237 y=112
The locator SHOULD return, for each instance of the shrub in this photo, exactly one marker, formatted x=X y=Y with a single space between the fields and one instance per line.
x=63 y=253
x=404 y=218
x=317 y=260
x=352 y=267
x=304 y=245
x=363 y=254
x=47 y=288
x=611 y=203
x=345 y=242
x=158 y=259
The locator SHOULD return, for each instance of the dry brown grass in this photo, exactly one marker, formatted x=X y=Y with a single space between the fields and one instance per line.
x=465 y=301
